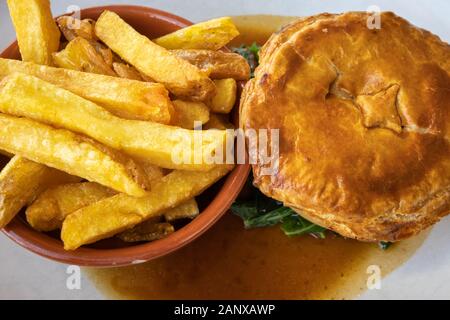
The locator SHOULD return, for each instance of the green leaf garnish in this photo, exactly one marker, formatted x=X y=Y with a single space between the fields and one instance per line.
x=252 y=219
x=295 y=225
x=384 y=245
x=251 y=54
x=261 y=211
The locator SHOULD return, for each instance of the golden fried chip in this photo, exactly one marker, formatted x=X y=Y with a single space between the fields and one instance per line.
x=80 y=55
x=72 y=28
x=21 y=180
x=147 y=231
x=125 y=71
x=186 y=210
x=38 y=37
x=71 y=153
x=217 y=64
x=37 y=33
x=106 y=54
x=188 y=113
x=165 y=146
x=179 y=76
x=152 y=172
x=211 y=35
x=50 y=208
x=218 y=121
x=125 y=98
x=225 y=98
x=113 y=215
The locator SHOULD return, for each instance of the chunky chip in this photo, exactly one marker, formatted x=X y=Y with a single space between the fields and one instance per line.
x=125 y=98
x=188 y=114
x=68 y=152
x=179 y=76
x=106 y=53
x=165 y=146
x=116 y=214
x=225 y=98
x=37 y=33
x=152 y=172
x=218 y=121
x=21 y=180
x=186 y=210
x=50 y=208
x=81 y=55
x=210 y=35
x=72 y=28
x=147 y=231
x=217 y=64
x=38 y=37
x=125 y=71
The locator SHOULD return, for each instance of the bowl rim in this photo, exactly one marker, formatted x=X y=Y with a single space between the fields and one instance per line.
x=45 y=246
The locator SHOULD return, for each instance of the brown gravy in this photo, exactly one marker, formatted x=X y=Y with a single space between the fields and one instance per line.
x=228 y=262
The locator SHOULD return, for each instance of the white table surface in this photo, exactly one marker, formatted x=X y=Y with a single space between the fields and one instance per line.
x=426 y=275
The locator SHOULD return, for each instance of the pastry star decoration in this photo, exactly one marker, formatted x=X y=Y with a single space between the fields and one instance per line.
x=380 y=109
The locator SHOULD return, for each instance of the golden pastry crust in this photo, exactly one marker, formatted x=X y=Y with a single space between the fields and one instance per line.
x=278 y=38
x=364 y=124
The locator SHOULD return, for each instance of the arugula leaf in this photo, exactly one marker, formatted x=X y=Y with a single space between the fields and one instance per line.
x=254 y=219
x=251 y=54
x=246 y=210
x=261 y=211
x=295 y=225
x=384 y=245
x=254 y=49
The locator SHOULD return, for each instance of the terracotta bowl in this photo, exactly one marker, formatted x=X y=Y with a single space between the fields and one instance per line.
x=213 y=203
